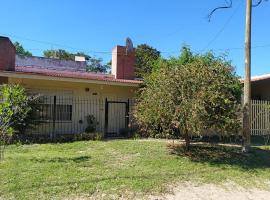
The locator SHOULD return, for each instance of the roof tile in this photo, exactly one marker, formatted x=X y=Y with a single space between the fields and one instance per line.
x=70 y=74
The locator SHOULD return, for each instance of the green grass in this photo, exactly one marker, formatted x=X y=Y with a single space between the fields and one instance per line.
x=123 y=167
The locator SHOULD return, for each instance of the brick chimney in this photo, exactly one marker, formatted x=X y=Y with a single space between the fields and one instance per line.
x=123 y=63
x=7 y=54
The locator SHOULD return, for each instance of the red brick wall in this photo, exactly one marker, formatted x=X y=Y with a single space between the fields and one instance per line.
x=123 y=63
x=7 y=54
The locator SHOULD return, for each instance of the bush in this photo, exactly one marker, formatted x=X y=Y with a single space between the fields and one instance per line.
x=190 y=96
x=17 y=112
x=92 y=124
x=59 y=138
x=18 y=107
x=89 y=136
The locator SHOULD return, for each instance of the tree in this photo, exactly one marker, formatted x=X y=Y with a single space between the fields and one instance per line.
x=59 y=53
x=21 y=105
x=246 y=128
x=20 y=50
x=17 y=112
x=146 y=57
x=193 y=98
x=93 y=64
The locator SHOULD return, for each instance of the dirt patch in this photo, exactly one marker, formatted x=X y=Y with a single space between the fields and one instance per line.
x=190 y=191
x=228 y=191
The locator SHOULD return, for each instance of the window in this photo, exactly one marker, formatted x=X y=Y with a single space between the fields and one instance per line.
x=62 y=112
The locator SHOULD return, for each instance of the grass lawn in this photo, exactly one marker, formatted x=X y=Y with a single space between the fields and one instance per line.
x=122 y=167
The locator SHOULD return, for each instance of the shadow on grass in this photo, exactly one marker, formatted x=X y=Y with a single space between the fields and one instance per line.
x=62 y=159
x=224 y=155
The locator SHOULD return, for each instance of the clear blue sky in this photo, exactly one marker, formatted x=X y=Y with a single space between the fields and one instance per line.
x=95 y=26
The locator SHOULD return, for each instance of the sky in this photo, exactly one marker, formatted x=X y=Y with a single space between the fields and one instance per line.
x=96 y=26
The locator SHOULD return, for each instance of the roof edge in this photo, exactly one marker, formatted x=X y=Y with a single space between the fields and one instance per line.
x=66 y=79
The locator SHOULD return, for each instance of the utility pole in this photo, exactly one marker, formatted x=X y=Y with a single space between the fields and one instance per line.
x=247 y=85
x=246 y=127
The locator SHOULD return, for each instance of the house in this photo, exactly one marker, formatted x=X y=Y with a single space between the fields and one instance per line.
x=260 y=105
x=260 y=87
x=70 y=94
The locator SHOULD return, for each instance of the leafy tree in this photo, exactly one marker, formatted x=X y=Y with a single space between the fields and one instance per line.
x=18 y=107
x=59 y=53
x=93 y=64
x=190 y=95
x=20 y=50
x=146 y=57
x=17 y=112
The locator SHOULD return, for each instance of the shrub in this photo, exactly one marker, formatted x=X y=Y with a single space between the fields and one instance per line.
x=89 y=136
x=92 y=124
x=21 y=107
x=190 y=96
x=17 y=112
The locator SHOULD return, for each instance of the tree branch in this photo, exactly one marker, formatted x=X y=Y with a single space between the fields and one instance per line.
x=257 y=4
x=229 y=5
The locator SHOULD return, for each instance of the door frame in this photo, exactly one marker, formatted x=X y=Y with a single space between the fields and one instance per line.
x=107 y=104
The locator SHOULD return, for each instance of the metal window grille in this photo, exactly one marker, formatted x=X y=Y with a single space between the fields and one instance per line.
x=63 y=112
x=68 y=114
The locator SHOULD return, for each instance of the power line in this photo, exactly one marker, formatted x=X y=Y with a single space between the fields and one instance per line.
x=223 y=27
x=110 y=53
x=55 y=44
x=241 y=48
x=199 y=51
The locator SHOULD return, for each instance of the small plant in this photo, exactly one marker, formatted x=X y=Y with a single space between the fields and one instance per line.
x=92 y=124
x=89 y=136
x=99 y=136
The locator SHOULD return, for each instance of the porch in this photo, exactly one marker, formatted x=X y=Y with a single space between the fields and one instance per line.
x=69 y=115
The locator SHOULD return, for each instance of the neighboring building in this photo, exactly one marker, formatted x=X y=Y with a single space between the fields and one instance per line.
x=260 y=87
x=260 y=105
x=70 y=94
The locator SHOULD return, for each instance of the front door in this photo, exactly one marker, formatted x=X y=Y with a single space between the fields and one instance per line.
x=116 y=117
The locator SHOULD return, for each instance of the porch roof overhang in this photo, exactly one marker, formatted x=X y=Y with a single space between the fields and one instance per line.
x=74 y=79
x=258 y=78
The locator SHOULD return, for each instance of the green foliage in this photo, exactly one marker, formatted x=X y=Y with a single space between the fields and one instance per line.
x=59 y=53
x=16 y=113
x=190 y=95
x=93 y=64
x=17 y=108
x=89 y=136
x=20 y=50
x=92 y=124
x=146 y=57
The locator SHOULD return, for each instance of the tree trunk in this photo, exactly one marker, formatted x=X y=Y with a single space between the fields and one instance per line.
x=247 y=85
x=1 y=151
x=187 y=140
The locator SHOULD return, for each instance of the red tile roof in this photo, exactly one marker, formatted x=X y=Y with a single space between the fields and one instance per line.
x=95 y=76
x=69 y=74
